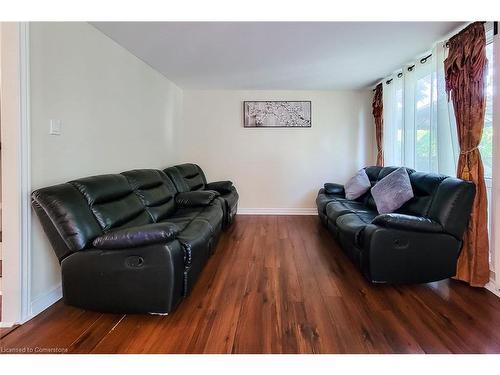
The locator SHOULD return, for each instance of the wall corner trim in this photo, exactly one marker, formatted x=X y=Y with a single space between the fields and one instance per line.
x=25 y=162
x=16 y=185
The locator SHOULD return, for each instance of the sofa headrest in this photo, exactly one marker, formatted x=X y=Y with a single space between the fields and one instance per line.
x=155 y=190
x=452 y=205
x=66 y=218
x=112 y=201
x=187 y=177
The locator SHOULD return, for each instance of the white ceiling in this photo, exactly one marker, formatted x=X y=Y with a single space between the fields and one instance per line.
x=276 y=55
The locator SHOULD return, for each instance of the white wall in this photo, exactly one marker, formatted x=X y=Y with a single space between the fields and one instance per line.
x=11 y=172
x=278 y=170
x=117 y=114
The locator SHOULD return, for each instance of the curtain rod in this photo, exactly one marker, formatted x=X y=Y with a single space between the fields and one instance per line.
x=495 y=31
x=423 y=60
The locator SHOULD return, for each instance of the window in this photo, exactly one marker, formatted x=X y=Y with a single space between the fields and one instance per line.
x=419 y=121
x=419 y=132
x=393 y=94
x=423 y=137
x=486 y=145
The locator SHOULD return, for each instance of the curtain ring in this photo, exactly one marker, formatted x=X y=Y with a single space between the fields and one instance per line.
x=423 y=60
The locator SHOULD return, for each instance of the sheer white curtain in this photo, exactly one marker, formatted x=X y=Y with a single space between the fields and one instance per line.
x=419 y=124
x=393 y=93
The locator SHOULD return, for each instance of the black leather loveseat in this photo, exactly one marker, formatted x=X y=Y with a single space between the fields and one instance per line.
x=418 y=243
x=129 y=242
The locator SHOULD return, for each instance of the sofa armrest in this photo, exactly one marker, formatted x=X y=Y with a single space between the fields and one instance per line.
x=395 y=255
x=222 y=187
x=331 y=188
x=142 y=279
x=195 y=198
x=137 y=236
x=408 y=222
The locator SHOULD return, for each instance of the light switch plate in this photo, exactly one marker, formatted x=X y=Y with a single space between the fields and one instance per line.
x=55 y=127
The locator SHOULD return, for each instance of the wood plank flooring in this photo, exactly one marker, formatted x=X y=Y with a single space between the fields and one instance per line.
x=280 y=284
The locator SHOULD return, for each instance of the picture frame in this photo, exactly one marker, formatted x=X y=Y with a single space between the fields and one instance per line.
x=277 y=114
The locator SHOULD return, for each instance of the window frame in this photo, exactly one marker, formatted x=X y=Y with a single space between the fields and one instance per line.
x=488 y=179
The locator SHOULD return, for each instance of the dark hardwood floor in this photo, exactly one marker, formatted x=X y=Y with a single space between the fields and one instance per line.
x=280 y=284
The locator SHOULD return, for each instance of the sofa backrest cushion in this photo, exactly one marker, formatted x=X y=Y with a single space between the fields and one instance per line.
x=452 y=205
x=373 y=173
x=187 y=177
x=113 y=201
x=424 y=187
x=66 y=218
x=174 y=175
x=155 y=190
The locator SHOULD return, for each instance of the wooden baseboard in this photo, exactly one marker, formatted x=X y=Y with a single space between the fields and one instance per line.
x=45 y=300
x=277 y=211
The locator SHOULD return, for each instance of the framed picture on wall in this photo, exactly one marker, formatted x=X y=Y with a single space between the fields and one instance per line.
x=277 y=114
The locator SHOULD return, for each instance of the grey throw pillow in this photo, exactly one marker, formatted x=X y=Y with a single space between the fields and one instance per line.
x=357 y=185
x=391 y=192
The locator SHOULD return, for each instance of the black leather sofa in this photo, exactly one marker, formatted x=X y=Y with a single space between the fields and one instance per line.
x=419 y=243
x=130 y=242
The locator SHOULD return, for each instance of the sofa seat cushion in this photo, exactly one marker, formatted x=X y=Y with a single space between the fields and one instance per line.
x=213 y=214
x=181 y=222
x=341 y=207
x=183 y=216
x=350 y=226
x=197 y=227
